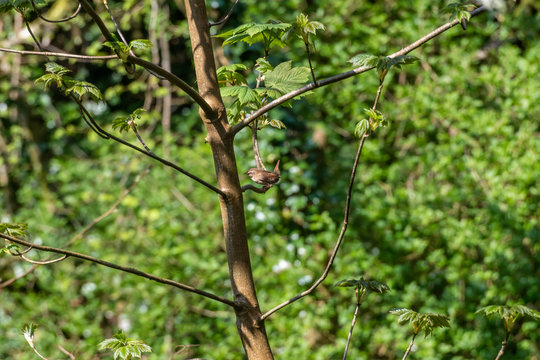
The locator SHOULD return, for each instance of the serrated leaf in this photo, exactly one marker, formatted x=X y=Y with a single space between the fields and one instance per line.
x=14 y=229
x=120 y=123
x=278 y=124
x=267 y=92
x=361 y=128
x=263 y=65
x=368 y=60
x=17 y=5
x=140 y=44
x=231 y=68
x=269 y=33
x=285 y=78
x=244 y=94
x=81 y=88
x=56 y=69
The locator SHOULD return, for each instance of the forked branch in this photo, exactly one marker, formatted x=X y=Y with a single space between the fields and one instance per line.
x=119 y=267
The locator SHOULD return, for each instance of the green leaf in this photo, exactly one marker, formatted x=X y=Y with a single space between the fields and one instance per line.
x=140 y=44
x=120 y=123
x=18 y=5
x=244 y=94
x=426 y=322
x=262 y=65
x=269 y=34
x=510 y=313
x=14 y=229
x=56 y=69
x=361 y=128
x=285 y=78
x=81 y=88
x=459 y=10
x=368 y=60
x=278 y=124
x=368 y=285
x=29 y=331
x=267 y=92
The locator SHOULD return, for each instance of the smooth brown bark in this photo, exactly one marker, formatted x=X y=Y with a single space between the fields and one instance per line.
x=250 y=326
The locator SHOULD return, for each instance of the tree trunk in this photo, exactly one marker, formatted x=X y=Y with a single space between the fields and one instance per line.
x=250 y=327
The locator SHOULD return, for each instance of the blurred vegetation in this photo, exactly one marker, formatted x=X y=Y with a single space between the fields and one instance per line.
x=445 y=209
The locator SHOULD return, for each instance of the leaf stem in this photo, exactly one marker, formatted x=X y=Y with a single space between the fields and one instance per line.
x=355 y=316
x=310 y=65
x=503 y=346
x=409 y=347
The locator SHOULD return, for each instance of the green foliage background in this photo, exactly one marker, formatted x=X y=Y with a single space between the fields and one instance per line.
x=445 y=209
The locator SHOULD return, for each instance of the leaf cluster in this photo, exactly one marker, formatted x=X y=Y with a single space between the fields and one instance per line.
x=14 y=229
x=57 y=75
x=269 y=34
x=382 y=63
x=277 y=81
x=367 y=285
x=510 y=313
x=18 y=5
x=303 y=27
x=123 y=123
x=422 y=321
x=459 y=10
x=125 y=348
x=376 y=119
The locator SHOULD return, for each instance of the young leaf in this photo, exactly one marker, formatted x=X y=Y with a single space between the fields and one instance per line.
x=124 y=347
x=269 y=34
x=510 y=313
x=81 y=88
x=140 y=44
x=361 y=128
x=426 y=322
x=14 y=229
x=285 y=78
x=29 y=331
x=244 y=94
x=368 y=60
x=262 y=65
x=56 y=69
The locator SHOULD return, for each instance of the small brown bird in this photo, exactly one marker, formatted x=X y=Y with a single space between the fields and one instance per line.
x=264 y=177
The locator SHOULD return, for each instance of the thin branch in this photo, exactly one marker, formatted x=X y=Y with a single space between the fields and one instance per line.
x=84 y=230
x=134 y=128
x=252 y=187
x=121 y=268
x=503 y=346
x=338 y=242
x=71 y=356
x=263 y=110
x=107 y=135
x=409 y=348
x=345 y=221
x=55 y=21
x=152 y=68
x=310 y=65
x=46 y=262
x=55 y=54
x=254 y=140
x=116 y=24
x=226 y=17
x=355 y=316
x=31 y=32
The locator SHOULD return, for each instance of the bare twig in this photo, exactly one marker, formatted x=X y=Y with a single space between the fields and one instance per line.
x=257 y=154
x=263 y=110
x=226 y=17
x=409 y=348
x=61 y=348
x=355 y=316
x=55 y=21
x=261 y=190
x=56 y=54
x=121 y=268
x=46 y=262
x=310 y=65
x=107 y=135
x=27 y=24
x=503 y=346
x=115 y=24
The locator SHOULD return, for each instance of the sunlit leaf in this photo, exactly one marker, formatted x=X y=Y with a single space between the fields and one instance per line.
x=286 y=78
